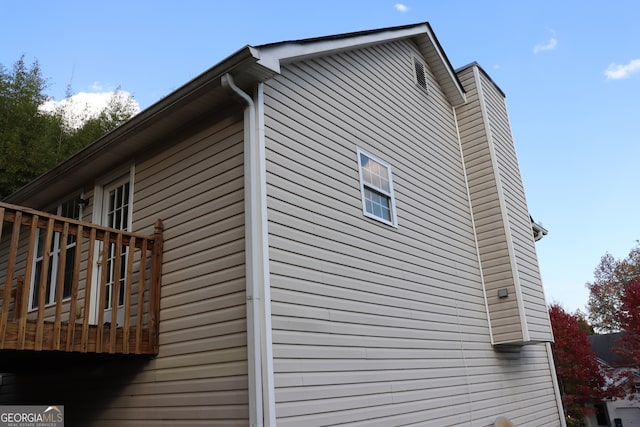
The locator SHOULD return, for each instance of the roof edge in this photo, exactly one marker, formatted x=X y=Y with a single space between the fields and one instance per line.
x=256 y=64
x=482 y=70
x=137 y=122
x=273 y=55
x=292 y=50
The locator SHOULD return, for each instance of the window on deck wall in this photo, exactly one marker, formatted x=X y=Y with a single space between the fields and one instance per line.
x=377 y=188
x=70 y=208
x=116 y=215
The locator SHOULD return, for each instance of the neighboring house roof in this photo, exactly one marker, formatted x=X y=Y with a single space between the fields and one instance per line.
x=205 y=94
x=602 y=346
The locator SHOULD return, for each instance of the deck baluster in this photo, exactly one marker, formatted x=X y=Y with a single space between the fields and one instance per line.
x=44 y=319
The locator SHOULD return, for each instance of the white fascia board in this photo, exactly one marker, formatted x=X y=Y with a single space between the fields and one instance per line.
x=272 y=56
x=461 y=97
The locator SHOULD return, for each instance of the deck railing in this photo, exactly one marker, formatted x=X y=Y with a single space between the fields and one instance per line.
x=71 y=286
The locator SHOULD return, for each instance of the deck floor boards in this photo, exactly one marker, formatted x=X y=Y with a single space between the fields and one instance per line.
x=11 y=338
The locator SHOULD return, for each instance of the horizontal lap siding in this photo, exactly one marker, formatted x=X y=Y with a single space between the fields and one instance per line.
x=195 y=184
x=533 y=401
x=519 y=221
x=488 y=216
x=200 y=374
x=199 y=377
x=375 y=325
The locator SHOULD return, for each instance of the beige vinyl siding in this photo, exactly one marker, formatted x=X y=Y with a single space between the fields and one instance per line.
x=488 y=216
x=502 y=221
x=407 y=395
x=21 y=256
x=195 y=184
x=196 y=188
x=535 y=308
x=376 y=325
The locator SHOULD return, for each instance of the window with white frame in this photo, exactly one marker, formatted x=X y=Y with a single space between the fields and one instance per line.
x=376 y=187
x=116 y=215
x=69 y=208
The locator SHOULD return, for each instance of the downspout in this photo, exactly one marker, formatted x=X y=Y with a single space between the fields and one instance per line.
x=252 y=255
x=266 y=331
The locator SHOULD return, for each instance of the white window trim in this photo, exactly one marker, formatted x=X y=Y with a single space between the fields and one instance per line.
x=55 y=256
x=121 y=174
x=390 y=194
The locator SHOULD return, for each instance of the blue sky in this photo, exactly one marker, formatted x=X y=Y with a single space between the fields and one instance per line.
x=570 y=70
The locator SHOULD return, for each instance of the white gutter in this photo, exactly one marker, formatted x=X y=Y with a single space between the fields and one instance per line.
x=259 y=353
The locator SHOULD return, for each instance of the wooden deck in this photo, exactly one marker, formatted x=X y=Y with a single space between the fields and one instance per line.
x=69 y=309
x=72 y=339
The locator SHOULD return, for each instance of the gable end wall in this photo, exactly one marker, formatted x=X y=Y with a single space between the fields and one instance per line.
x=376 y=325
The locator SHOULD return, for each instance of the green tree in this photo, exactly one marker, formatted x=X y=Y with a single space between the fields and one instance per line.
x=26 y=133
x=79 y=130
x=34 y=139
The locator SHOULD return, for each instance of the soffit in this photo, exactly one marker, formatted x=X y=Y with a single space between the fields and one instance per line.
x=202 y=96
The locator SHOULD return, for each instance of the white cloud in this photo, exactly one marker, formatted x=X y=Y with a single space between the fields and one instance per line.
x=401 y=7
x=618 y=71
x=84 y=105
x=550 y=44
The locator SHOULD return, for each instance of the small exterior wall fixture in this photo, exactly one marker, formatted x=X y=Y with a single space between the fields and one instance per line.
x=502 y=422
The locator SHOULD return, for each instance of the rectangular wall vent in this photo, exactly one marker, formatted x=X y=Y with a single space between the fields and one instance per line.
x=420 y=72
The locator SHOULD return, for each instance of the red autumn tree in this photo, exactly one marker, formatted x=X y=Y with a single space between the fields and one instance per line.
x=581 y=381
x=629 y=346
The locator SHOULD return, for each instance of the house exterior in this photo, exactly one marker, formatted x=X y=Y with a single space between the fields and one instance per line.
x=344 y=239
x=616 y=411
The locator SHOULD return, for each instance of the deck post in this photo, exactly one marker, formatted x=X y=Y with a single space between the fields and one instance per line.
x=154 y=291
x=13 y=250
x=19 y=306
